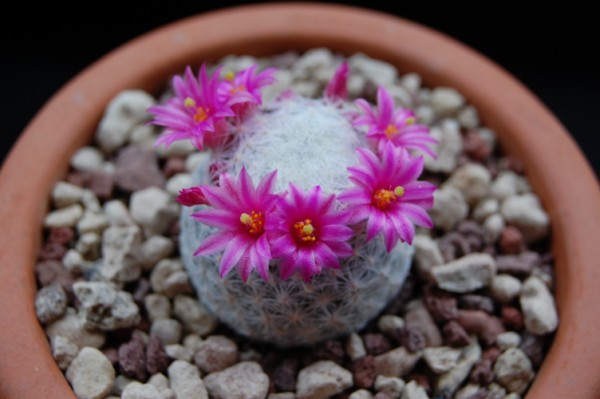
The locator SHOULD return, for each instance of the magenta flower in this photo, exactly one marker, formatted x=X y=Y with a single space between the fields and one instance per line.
x=395 y=126
x=337 y=86
x=242 y=91
x=196 y=112
x=191 y=196
x=307 y=233
x=239 y=211
x=387 y=194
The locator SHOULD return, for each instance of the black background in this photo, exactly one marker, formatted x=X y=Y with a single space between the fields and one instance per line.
x=553 y=50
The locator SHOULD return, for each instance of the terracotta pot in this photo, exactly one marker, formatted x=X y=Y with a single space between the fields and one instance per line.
x=556 y=168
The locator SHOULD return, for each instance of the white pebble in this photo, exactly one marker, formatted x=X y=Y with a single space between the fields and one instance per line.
x=356 y=85
x=390 y=324
x=121 y=250
x=169 y=278
x=283 y=395
x=196 y=159
x=143 y=136
x=245 y=380
x=361 y=394
x=216 y=353
x=87 y=159
x=448 y=148
x=179 y=352
x=426 y=116
x=321 y=380
x=392 y=386
x=513 y=370
x=73 y=261
x=493 y=226
x=67 y=216
x=157 y=306
x=90 y=201
x=185 y=381
x=154 y=209
x=509 y=339
x=441 y=359
x=50 y=303
x=381 y=73
x=167 y=330
x=310 y=62
x=505 y=288
x=63 y=351
x=397 y=362
x=427 y=255
x=412 y=82
x=485 y=208
x=412 y=390
x=539 y=310
x=65 y=194
x=450 y=381
x=137 y=390
x=88 y=246
x=178 y=182
x=181 y=148
x=284 y=80
x=72 y=327
x=92 y=222
x=472 y=180
x=449 y=208
x=465 y=274
x=526 y=213
x=125 y=111
x=194 y=316
x=468 y=117
x=192 y=342
x=308 y=89
x=91 y=374
x=155 y=249
x=117 y=213
x=446 y=101
x=355 y=347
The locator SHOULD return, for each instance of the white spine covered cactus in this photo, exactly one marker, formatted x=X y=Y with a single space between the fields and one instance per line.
x=315 y=215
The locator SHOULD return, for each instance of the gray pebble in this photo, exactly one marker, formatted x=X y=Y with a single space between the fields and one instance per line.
x=169 y=278
x=154 y=249
x=360 y=394
x=50 y=303
x=245 y=380
x=525 y=213
x=412 y=390
x=441 y=359
x=427 y=255
x=539 y=310
x=154 y=209
x=448 y=148
x=63 y=351
x=194 y=316
x=392 y=386
x=179 y=352
x=449 y=208
x=513 y=370
x=91 y=374
x=216 y=353
x=72 y=327
x=88 y=245
x=381 y=73
x=157 y=306
x=137 y=390
x=185 y=381
x=121 y=246
x=105 y=308
x=468 y=117
x=472 y=180
x=397 y=362
x=322 y=380
x=167 y=330
x=450 y=381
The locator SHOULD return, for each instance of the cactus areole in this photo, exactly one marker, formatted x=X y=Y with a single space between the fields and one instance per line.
x=313 y=202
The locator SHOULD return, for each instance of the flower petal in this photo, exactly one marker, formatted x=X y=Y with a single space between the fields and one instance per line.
x=235 y=249
x=214 y=243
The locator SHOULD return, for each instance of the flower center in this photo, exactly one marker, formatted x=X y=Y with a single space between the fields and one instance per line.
x=237 y=89
x=382 y=198
x=305 y=231
x=254 y=222
x=391 y=130
x=201 y=112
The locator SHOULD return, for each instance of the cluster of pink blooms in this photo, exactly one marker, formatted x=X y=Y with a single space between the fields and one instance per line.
x=305 y=231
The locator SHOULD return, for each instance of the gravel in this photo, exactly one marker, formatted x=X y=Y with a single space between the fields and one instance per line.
x=473 y=320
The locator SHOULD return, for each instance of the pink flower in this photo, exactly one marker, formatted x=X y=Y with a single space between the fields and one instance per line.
x=191 y=196
x=395 y=126
x=239 y=211
x=242 y=91
x=337 y=86
x=307 y=233
x=196 y=112
x=387 y=194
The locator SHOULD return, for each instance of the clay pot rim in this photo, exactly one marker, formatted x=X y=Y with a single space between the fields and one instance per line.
x=558 y=171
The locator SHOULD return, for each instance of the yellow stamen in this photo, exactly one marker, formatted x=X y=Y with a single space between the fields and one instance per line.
x=383 y=198
x=237 y=89
x=254 y=222
x=399 y=191
x=229 y=75
x=189 y=102
x=391 y=130
x=410 y=120
x=305 y=231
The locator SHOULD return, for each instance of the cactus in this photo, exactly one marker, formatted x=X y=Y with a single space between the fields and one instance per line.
x=310 y=143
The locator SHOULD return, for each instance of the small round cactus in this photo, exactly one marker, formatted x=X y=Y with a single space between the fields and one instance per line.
x=315 y=212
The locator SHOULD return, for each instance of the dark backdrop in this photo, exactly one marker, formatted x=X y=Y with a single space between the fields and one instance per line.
x=554 y=51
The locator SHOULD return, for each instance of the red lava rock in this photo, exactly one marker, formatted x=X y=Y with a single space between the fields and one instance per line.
x=406 y=292
x=100 y=183
x=52 y=251
x=156 y=357
x=364 y=372
x=533 y=347
x=284 y=375
x=454 y=334
x=491 y=353
x=142 y=289
x=52 y=272
x=411 y=338
x=513 y=164
x=75 y=178
x=522 y=264
x=454 y=245
x=137 y=169
x=482 y=373
x=61 y=235
x=173 y=166
x=476 y=302
x=331 y=350
x=132 y=359
x=478 y=322
x=441 y=306
x=511 y=241
x=475 y=146
x=420 y=319
x=376 y=343
x=512 y=318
